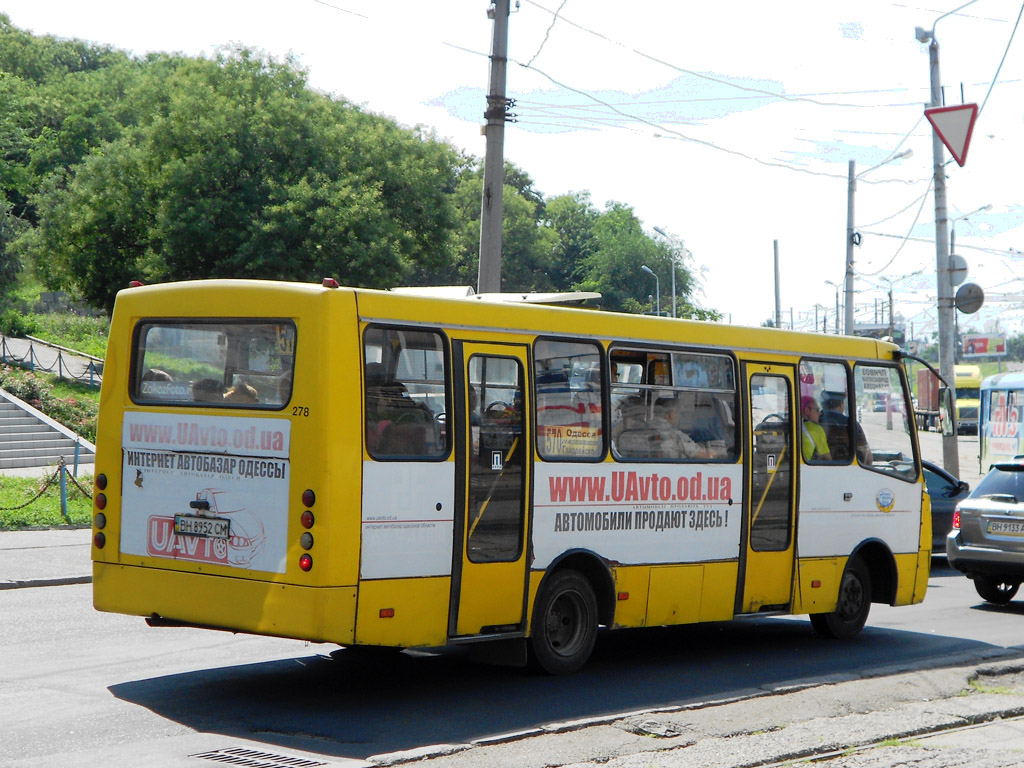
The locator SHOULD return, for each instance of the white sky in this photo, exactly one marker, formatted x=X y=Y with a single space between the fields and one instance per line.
x=660 y=104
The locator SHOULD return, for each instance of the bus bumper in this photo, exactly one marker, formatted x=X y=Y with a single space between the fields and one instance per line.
x=317 y=614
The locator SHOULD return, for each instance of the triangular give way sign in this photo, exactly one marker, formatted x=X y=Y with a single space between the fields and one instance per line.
x=954 y=126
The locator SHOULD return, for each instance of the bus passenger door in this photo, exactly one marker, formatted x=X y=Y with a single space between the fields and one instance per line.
x=492 y=476
x=769 y=552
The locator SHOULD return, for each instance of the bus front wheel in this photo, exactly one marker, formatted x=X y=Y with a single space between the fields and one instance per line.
x=851 y=612
x=564 y=623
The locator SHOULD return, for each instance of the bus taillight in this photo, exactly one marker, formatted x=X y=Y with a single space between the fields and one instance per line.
x=306 y=562
x=306 y=519
x=308 y=498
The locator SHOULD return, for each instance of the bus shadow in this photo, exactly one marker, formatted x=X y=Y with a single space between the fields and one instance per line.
x=357 y=705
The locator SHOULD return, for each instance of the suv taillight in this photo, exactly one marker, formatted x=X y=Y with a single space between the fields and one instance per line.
x=956 y=519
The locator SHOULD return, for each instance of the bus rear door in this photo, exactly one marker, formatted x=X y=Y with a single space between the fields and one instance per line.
x=492 y=476
x=769 y=552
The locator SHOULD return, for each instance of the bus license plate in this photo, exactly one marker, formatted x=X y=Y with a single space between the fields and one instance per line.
x=1006 y=527
x=204 y=527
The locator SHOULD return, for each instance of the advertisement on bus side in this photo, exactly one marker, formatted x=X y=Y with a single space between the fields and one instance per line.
x=639 y=513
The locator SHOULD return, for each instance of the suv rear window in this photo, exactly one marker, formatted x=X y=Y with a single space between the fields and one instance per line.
x=214 y=363
x=1004 y=480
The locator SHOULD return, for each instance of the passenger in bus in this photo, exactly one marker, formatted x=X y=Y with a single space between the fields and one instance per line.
x=396 y=425
x=835 y=422
x=208 y=391
x=815 y=443
x=156 y=374
x=674 y=443
x=243 y=394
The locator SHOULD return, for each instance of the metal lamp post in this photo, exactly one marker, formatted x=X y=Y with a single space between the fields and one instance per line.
x=668 y=237
x=836 y=286
x=657 y=286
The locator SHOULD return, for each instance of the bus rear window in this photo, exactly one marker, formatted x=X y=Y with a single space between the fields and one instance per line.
x=222 y=363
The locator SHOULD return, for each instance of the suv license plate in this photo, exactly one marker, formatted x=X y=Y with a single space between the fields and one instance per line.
x=1007 y=528
x=203 y=527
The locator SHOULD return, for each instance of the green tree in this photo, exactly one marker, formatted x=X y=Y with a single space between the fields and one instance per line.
x=572 y=217
x=10 y=227
x=59 y=100
x=613 y=268
x=527 y=248
x=240 y=170
x=1015 y=347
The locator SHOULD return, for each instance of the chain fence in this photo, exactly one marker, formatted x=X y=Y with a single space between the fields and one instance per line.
x=91 y=367
x=62 y=475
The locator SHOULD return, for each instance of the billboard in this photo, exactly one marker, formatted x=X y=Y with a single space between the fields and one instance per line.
x=983 y=346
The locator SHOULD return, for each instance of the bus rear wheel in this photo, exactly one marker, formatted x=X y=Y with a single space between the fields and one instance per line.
x=852 y=608
x=564 y=623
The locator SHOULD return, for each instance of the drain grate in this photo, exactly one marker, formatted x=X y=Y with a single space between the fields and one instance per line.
x=251 y=758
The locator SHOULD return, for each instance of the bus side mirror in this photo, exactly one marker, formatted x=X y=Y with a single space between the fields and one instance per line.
x=947 y=413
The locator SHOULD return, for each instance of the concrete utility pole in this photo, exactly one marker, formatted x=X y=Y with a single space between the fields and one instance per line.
x=489 y=275
x=853 y=237
x=848 y=321
x=778 y=289
x=943 y=283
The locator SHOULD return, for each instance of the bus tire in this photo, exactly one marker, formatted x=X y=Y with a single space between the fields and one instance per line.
x=564 y=623
x=993 y=589
x=853 y=605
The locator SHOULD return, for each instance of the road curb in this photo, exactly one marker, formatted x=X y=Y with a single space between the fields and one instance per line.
x=61 y=582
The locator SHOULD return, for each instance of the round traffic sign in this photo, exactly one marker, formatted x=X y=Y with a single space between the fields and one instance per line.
x=969 y=298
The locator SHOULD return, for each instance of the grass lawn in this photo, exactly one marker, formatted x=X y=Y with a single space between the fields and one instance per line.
x=44 y=512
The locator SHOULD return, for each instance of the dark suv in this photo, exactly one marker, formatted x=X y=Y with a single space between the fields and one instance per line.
x=987 y=540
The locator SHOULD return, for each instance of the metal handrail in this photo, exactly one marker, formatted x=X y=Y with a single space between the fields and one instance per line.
x=30 y=360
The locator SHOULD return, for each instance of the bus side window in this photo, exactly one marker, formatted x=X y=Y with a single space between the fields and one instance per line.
x=676 y=406
x=567 y=377
x=401 y=389
x=888 y=431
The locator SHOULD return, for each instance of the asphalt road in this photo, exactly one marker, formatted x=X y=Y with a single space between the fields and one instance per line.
x=80 y=688
x=931 y=449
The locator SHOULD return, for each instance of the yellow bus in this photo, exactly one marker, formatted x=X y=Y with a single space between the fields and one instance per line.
x=968 y=397
x=368 y=468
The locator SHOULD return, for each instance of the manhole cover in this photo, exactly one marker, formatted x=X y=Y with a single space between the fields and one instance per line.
x=252 y=758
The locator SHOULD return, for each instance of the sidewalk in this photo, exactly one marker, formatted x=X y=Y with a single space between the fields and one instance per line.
x=38 y=558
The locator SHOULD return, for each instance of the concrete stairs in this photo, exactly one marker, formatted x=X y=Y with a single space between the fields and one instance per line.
x=29 y=438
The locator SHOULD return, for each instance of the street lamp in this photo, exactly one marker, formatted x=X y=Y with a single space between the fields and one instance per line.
x=669 y=237
x=853 y=237
x=836 y=286
x=657 y=286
